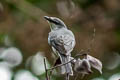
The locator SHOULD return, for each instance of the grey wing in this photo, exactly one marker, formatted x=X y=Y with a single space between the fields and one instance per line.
x=64 y=44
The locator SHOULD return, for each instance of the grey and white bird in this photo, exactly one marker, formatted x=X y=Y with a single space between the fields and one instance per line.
x=62 y=41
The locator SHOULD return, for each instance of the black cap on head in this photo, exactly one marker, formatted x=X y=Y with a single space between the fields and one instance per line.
x=52 y=20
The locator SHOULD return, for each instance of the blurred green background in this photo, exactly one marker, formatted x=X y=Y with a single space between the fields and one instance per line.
x=22 y=25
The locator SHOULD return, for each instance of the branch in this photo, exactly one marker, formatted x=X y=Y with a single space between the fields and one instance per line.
x=67 y=77
x=46 y=71
x=60 y=65
x=76 y=76
x=66 y=62
x=92 y=40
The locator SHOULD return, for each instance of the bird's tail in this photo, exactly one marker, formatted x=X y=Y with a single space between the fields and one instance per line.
x=67 y=68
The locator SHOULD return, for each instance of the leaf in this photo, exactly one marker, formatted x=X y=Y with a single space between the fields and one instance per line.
x=24 y=75
x=82 y=66
x=95 y=63
x=37 y=64
x=12 y=56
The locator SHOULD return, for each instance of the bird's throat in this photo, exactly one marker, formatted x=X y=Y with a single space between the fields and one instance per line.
x=52 y=26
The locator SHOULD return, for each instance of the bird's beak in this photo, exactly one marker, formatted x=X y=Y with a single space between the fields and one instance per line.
x=48 y=18
x=50 y=21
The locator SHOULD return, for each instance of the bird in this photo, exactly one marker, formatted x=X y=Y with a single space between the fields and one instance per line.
x=62 y=41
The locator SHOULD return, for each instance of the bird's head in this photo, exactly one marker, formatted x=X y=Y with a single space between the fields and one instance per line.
x=55 y=23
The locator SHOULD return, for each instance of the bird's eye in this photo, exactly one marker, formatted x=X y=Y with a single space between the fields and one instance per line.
x=56 y=21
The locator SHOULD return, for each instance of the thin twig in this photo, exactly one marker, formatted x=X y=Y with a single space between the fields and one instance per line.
x=60 y=65
x=92 y=40
x=67 y=77
x=46 y=71
x=93 y=36
x=51 y=72
x=66 y=62
x=76 y=76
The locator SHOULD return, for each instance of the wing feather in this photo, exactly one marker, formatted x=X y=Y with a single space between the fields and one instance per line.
x=62 y=43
